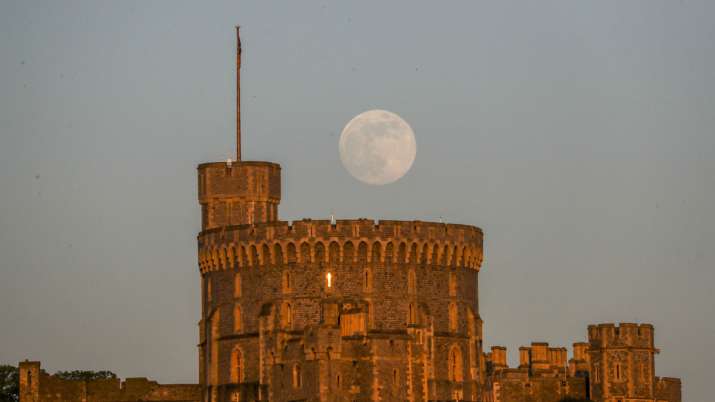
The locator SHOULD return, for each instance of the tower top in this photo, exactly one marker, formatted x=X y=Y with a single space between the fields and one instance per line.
x=238 y=94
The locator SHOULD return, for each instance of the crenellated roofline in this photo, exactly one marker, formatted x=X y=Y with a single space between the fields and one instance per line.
x=342 y=241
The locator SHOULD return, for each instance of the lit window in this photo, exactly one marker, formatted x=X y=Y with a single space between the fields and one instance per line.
x=329 y=279
x=297 y=377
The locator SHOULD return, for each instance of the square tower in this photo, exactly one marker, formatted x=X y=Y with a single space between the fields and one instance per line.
x=29 y=381
x=622 y=362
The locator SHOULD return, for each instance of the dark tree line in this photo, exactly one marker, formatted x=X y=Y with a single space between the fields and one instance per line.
x=9 y=384
x=85 y=375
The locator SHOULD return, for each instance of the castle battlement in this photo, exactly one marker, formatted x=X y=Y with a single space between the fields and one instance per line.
x=38 y=386
x=668 y=388
x=538 y=356
x=624 y=335
x=344 y=241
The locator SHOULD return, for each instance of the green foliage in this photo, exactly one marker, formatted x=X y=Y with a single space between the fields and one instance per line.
x=85 y=375
x=9 y=384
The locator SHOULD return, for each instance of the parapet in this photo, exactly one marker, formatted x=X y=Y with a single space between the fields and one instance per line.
x=557 y=357
x=579 y=365
x=498 y=357
x=539 y=356
x=524 y=357
x=623 y=335
x=343 y=241
x=668 y=389
x=580 y=351
x=36 y=386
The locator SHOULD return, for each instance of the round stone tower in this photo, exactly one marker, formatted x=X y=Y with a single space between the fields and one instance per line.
x=331 y=311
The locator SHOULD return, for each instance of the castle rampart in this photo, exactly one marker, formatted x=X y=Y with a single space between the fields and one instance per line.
x=615 y=365
x=667 y=389
x=541 y=376
x=38 y=386
x=390 y=242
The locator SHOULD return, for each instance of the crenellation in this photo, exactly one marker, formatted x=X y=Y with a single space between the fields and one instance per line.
x=255 y=245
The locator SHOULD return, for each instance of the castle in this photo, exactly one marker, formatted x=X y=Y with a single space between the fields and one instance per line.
x=356 y=310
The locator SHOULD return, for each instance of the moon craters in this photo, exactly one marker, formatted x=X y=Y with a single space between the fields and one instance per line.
x=377 y=147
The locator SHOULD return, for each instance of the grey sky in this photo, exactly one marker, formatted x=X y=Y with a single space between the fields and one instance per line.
x=579 y=135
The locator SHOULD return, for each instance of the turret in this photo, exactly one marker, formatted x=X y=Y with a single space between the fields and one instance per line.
x=499 y=357
x=578 y=366
x=621 y=361
x=238 y=193
x=524 y=357
x=29 y=381
x=540 y=356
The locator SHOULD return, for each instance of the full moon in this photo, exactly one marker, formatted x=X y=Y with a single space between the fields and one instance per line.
x=377 y=147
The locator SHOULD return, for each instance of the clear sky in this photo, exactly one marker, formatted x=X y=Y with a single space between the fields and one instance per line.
x=579 y=135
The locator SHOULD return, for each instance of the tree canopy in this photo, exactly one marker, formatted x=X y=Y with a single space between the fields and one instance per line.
x=86 y=375
x=9 y=384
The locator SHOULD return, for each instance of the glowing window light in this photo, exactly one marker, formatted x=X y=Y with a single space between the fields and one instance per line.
x=329 y=278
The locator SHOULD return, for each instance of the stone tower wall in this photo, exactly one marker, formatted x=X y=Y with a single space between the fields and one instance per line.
x=398 y=318
x=622 y=361
x=238 y=193
x=668 y=389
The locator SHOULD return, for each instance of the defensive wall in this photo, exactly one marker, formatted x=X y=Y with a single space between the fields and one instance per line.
x=38 y=386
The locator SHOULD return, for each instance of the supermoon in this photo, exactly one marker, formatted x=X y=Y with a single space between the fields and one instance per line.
x=377 y=147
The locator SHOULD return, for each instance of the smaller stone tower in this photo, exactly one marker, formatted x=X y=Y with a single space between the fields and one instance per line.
x=29 y=381
x=579 y=365
x=622 y=362
x=238 y=193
